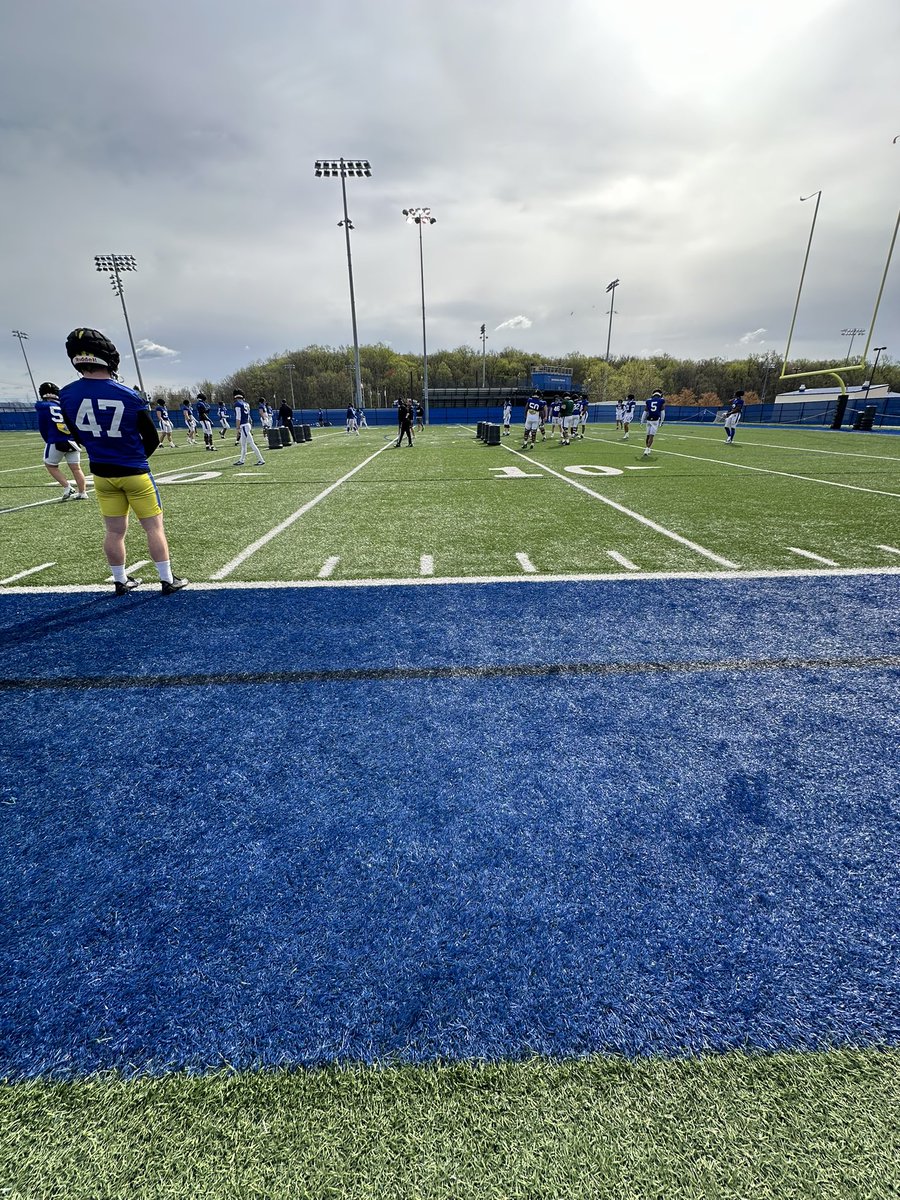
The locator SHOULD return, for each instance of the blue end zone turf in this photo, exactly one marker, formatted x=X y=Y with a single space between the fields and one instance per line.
x=301 y=870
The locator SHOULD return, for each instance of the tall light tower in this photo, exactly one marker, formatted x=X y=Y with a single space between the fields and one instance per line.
x=871 y=379
x=483 y=355
x=340 y=168
x=852 y=334
x=611 y=287
x=420 y=217
x=112 y=265
x=290 y=368
x=23 y=338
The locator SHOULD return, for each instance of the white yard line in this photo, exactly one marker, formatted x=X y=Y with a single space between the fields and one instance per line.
x=828 y=562
x=669 y=533
x=12 y=470
x=328 y=566
x=286 y=524
x=890 y=549
x=480 y=580
x=746 y=441
x=30 y=571
x=525 y=563
x=623 y=561
x=724 y=462
x=142 y=562
x=34 y=504
x=426 y=564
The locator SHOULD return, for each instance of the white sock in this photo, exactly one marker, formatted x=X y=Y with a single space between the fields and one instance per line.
x=164 y=570
x=118 y=573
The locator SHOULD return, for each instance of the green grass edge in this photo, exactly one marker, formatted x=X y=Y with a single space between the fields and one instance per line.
x=820 y=1124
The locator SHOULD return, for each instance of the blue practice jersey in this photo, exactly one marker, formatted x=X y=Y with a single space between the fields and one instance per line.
x=737 y=404
x=351 y=413
x=654 y=407
x=50 y=422
x=628 y=409
x=202 y=410
x=242 y=414
x=555 y=408
x=221 y=411
x=104 y=414
x=534 y=405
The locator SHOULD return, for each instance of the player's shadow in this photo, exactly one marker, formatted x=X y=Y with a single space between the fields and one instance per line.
x=97 y=610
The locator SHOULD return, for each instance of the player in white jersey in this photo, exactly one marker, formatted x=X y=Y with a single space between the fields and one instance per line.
x=620 y=414
x=222 y=414
x=628 y=406
x=507 y=418
x=582 y=415
x=190 y=422
x=534 y=416
x=243 y=420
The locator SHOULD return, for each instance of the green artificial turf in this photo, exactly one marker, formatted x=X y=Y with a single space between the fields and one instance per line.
x=445 y=498
x=782 y=1126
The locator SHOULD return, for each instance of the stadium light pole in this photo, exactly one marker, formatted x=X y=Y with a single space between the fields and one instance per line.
x=420 y=217
x=340 y=168
x=112 y=265
x=23 y=338
x=483 y=356
x=290 y=368
x=812 y=230
x=852 y=334
x=611 y=287
x=871 y=379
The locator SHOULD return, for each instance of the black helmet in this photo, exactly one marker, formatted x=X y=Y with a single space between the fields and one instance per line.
x=201 y=396
x=238 y=394
x=657 y=392
x=91 y=348
x=630 y=396
x=48 y=389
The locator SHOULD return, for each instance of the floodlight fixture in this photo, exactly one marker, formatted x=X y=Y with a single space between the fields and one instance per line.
x=113 y=265
x=420 y=217
x=611 y=287
x=852 y=334
x=340 y=168
x=23 y=338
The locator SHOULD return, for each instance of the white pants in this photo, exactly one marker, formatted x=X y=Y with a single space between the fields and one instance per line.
x=731 y=422
x=247 y=440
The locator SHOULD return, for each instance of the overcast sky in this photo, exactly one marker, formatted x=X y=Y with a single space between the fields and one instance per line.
x=559 y=144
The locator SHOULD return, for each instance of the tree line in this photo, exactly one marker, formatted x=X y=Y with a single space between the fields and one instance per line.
x=323 y=376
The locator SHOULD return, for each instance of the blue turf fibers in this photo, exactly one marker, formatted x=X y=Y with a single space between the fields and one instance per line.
x=298 y=873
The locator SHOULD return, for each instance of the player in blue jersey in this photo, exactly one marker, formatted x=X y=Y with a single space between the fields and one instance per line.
x=164 y=424
x=535 y=411
x=733 y=415
x=204 y=421
x=654 y=415
x=114 y=425
x=243 y=421
x=58 y=445
x=582 y=414
x=628 y=406
x=222 y=414
x=555 y=418
x=352 y=423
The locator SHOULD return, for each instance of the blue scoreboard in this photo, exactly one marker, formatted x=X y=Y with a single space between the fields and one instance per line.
x=551 y=381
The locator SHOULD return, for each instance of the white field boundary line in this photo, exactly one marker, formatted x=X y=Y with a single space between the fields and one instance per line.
x=669 y=533
x=696 y=437
x=295 y=516
x=480 y=580
x=12 y=470
x=724 y=462
x=34 y=504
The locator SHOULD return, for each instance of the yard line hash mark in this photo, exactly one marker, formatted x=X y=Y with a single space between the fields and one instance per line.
x=494 y=671
x=426 y=564
x=829 y=562
x=328 y=566
x=30 y=571
x=623 y=561
x=890 y=549
x=525 y=563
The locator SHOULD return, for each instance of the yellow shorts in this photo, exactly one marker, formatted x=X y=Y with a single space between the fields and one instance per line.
x=119 y=492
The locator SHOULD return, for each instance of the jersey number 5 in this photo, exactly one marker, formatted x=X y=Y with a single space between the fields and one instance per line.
x=87 y=420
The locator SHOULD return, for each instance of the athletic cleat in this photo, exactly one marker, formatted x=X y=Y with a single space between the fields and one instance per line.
x=238 y=462
x=122 y=589
x=80 y=496
x=175 y=585
x=67 y=494
x=260 y=462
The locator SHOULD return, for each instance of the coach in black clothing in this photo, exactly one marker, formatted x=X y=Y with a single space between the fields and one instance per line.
x=286 y=415
x=405 y=422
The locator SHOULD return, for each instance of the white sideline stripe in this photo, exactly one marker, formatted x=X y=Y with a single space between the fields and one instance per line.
x=829 y=562
x=669 y=533
x=30 y=571
x=286 y=524
x=525 y=563
x=12 y=470
x=328 y=566
x=697 y=437
x=480 y=580
x=143 y=562
x=853 y=487
x=426 y=564
x=890 y=549
x=623 y=561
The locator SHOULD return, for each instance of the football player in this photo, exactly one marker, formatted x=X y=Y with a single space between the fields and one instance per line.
x=352 y=423
x=582 y=414
x=58 y=445
x=654 y=415
x=733 y=416
x=534 y=417
x=114 y=425
x=569 y=419
x=222 y=414
x=555 y=418
x=620 y=414
x=243 y=422
x=507 y=418
x=628 y=406
x=164 y=423
x=190 y=422
x=204 y=421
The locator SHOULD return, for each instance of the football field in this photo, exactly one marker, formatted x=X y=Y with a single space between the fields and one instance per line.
x=478 y=823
